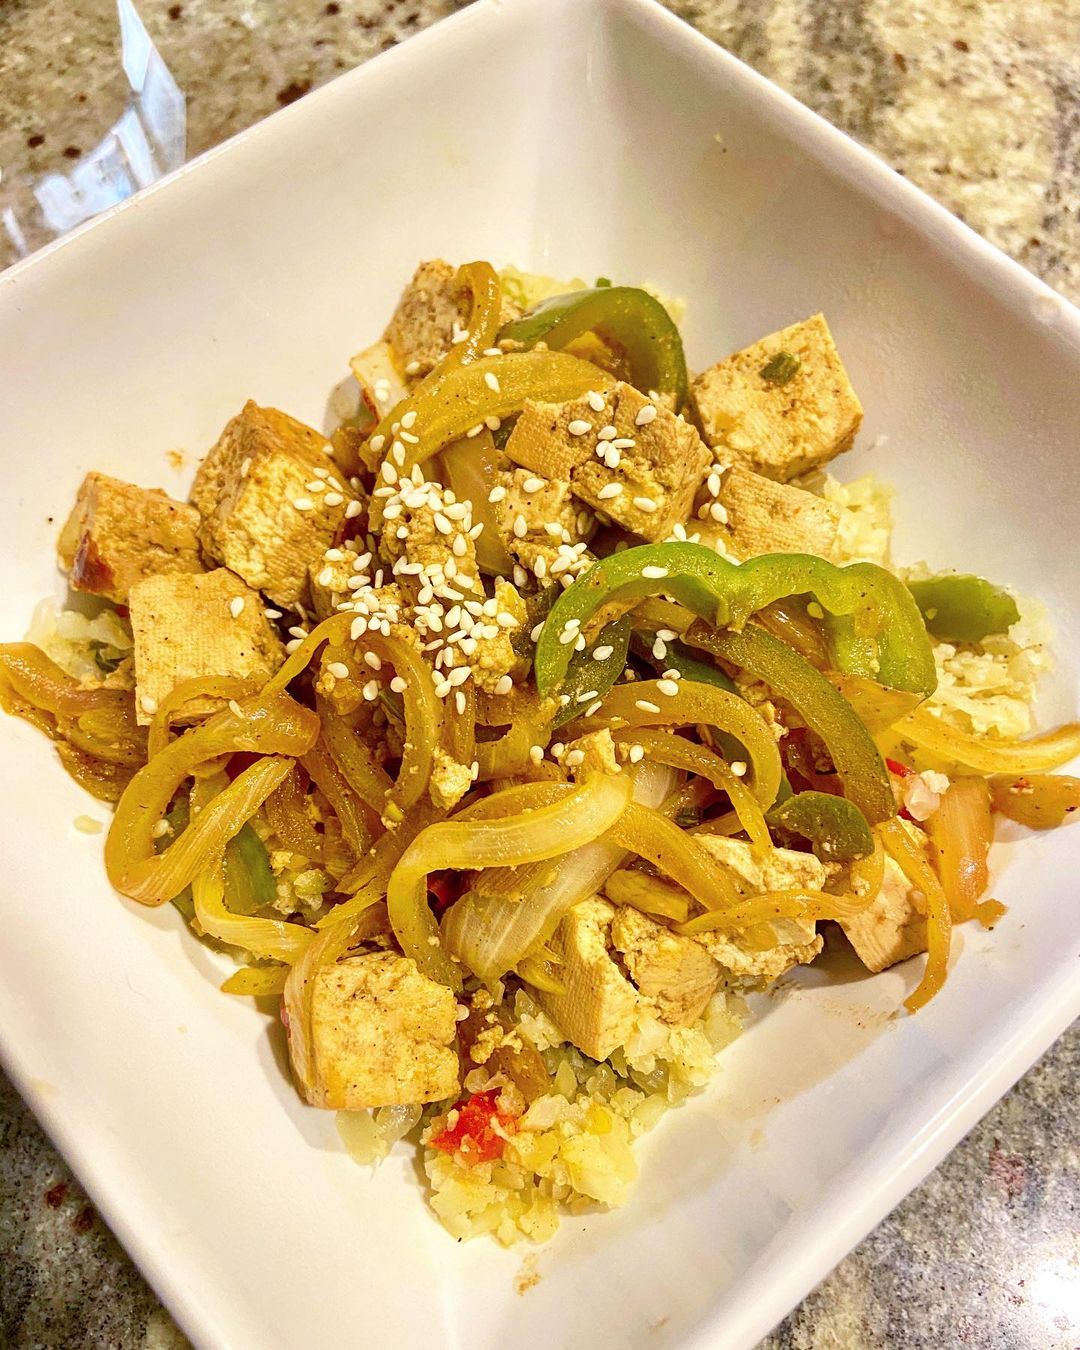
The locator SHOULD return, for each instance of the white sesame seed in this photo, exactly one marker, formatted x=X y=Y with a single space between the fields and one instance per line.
x=236 y=606
x=303 y=504
x=520 y=576
x=607 y=433
x=442 y=524
x=492 y=381
x=536 y=753
x=272 y=613
x=594 y=708
x=596 y=400
x=477 y=530
x=442 y=688
x=298 y=631
x=459 y=676
x=624 y=443
x=587 y=696
x=536 y=631
x=148 y=704
x=398 y=684
x=533 y=484
x=358 y=628
x=574 y=758
x=637 y=752
x=245 y=466
x=338 y=669
x=580 y=644
x=654 y=573
x=504 y=685
x=521 y=528
x=540 y=567
x=610 y=491
x=645 y=504
x=496 y=494
x=738 y=768
x=409 y=439
x=567 y=636
x=372 y=661
x=371 y=691
x=292 y=645
x=409 y=419
x=460 y=703
x=352 y=510
x=669 y=687
x=333 y=499
x=719 y=513
x=578 y=427
x=377 y=442
x=645 y=706
x=602 y=653
x=235 y=708
x=645 y=415
x=412 y=368
x=316 y=485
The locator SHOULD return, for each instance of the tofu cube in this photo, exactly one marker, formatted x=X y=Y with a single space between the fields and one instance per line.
x=779 y=428
x=190 y=624
x=676 y=972
x=768 y=517
x=382 y=1034
x=117 y=534
x=599 y=1008
x=644 y=477
x=421 y=331
x=271 y=501
x=783 y=869
x=893 y=925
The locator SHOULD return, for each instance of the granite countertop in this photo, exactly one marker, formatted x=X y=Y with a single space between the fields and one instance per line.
x=977 y=101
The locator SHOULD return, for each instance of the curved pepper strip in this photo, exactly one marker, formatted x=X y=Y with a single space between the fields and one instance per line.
x=873 y=623
x=964 y=608
x=629 y=318
x=587 y=675
x=857 y=759
x=836 y=828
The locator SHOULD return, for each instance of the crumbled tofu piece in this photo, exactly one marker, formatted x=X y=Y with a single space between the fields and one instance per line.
x=538 y=503
x=429 y=543
x=189 y=624
x=329 y=581
x=495 y=656
x=598 y=1009
x=893 y=925
x=768 y=517
x=781 y=869
x=659 y=466
x=780 y=429
x=422 y=329
x=674 y=971
x=598 y=750
x=382 y=1034
x=449 y=780
x=262 y=515
x=117 y=534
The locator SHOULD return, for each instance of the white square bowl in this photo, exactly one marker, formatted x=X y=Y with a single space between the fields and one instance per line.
x=568 y=136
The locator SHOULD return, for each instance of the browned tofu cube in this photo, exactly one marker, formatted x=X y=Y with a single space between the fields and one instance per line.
x=782 y=406
x=428 y=317
x=632 y=459
x=382 y=1034
x=185 y=625
x=117 y=534
x=271 y=502
x=768 y=517
x=542 y=525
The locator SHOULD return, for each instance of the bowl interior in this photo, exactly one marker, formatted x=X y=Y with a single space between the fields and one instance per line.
x=568 y=138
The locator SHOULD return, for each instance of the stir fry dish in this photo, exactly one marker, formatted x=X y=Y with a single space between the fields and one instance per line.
x=509 y=737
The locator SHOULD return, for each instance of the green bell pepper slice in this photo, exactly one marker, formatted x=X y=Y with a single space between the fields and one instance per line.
x=872 y=622
x=836 y=828
x=963 y=608
x=825 y=711
x=587 y=675
x=635 y=321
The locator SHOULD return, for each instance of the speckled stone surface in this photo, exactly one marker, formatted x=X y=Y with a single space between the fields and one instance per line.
x=977 y=101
